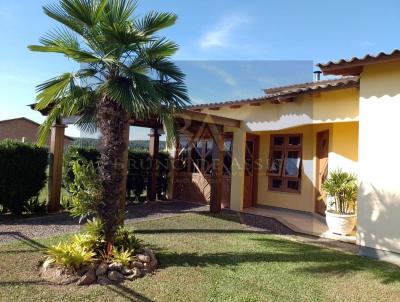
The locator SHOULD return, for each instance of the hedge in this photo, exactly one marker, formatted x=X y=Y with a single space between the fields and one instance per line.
x=139 y=169
x=23 y=174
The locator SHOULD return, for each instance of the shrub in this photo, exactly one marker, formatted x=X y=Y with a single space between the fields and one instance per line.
x=74 y=153
x=85 y=189
x=127 y=240
x=70 y=255
x=139 y=169
x=122 y=256
x=35 y=205
x=341 y=187
x=22 y=173
x=138 y=172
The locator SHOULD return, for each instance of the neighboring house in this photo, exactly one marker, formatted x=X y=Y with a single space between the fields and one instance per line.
x=23 y=129
x=352 y=123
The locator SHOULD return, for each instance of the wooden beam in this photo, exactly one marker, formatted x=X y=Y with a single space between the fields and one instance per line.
x=154 y=145
x=55 y=167
x=213 y=108
x=208 y=118
x=235 y=106
x=217 y=169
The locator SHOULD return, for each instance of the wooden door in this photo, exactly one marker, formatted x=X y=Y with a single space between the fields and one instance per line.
x=250 y=173
x=322 y=169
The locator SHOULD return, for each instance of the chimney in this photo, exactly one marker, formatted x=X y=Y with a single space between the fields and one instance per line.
x=317 y=75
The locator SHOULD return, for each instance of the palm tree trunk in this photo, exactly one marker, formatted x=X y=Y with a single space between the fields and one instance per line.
x=111 y=120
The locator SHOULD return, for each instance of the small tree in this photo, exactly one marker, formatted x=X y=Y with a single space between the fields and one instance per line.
x=125 y=72
x=341 y=187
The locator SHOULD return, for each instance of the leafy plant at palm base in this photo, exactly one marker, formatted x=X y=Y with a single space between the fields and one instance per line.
x=85 y=190
x=70 y=254
x=89 y=246
x=341 y=189
x=125 y=72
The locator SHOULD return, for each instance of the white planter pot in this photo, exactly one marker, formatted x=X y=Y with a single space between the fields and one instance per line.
x=342 y=224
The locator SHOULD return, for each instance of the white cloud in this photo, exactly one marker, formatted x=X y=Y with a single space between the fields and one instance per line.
x=225 y=76
x=221 y=34
x=367 y=44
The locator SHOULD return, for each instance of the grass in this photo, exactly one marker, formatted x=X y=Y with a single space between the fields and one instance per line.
x=206 y=258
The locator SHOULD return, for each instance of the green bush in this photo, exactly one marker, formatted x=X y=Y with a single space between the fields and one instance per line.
x=139 y=169
x=22 y=174
x=85 y=189
x=71 y=254
x=341 y=187
x=74 y=153
x=138 y=173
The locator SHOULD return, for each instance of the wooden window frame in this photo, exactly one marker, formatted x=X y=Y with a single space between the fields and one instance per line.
x=285 y=149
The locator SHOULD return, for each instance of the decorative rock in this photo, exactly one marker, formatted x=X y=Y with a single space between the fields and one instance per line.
x=136 y=273
x=115 y=266
x=102 y=269
x=149 y=252
x=103 y=280
x=83 y=270
x=115 y=276
x=125 y=271
x=153 y=264
x=137 y=264
x=143 y=258
x=88 y=278
x=153 y=261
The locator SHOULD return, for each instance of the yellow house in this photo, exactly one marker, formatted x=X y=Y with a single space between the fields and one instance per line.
x=289 y=139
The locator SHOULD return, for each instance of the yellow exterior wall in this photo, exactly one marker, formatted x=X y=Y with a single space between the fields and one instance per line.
x=343 y=153
x=325 y=107
x=238 y=162
x=344 y=147
x=379 y=167
x=303 y=201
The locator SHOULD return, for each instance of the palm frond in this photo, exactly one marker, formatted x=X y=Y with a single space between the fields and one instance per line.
x=57 y=13
x=119 y=11
x=160 y=48
x=155 y=21
x=89 y=12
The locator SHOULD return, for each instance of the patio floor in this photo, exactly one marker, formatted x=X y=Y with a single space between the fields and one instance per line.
x=300 y=222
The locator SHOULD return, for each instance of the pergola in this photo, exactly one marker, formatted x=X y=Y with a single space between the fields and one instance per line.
x=195 y=119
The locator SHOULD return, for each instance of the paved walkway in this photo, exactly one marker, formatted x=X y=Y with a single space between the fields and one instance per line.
x=46 y=226
x=26 y=229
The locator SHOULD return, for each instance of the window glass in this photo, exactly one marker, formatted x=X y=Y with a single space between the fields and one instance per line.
x=294 y=140
x=196 y=154
x=278 y=140
x=276 y=183
x=292 y=164
x=208 y=156
x=284 y=168
x=227 y=156
x=293 y=185
x=276 y=162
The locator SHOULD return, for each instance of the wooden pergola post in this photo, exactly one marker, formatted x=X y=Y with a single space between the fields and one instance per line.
x=55 y=166
x=153 y=149
x=217 y=169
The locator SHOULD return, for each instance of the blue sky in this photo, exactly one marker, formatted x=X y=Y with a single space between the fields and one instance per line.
x=247 y=34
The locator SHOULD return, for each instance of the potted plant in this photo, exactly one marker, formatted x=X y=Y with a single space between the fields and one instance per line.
x=340 y=190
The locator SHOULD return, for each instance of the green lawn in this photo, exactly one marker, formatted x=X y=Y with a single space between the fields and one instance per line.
x=205 y=258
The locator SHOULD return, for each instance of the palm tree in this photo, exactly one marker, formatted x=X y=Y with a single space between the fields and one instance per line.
x=124 y=72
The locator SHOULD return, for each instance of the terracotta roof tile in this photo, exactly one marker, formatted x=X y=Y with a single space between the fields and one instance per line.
x=286 y=92
x=331 y=66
